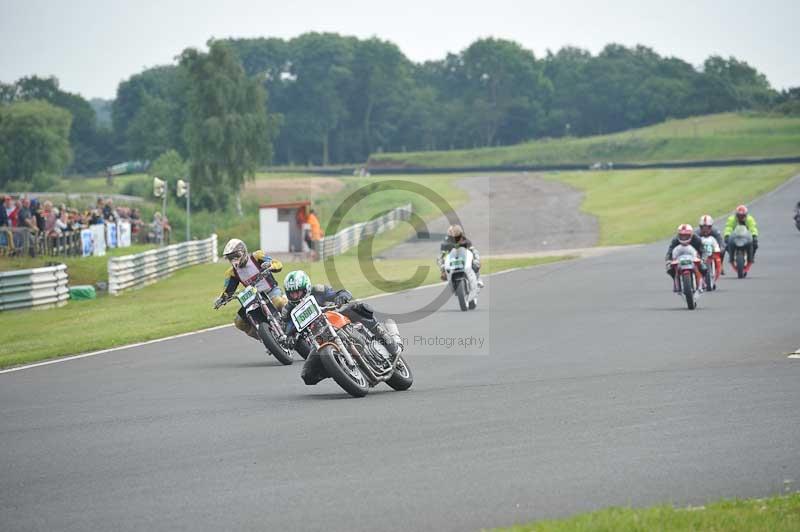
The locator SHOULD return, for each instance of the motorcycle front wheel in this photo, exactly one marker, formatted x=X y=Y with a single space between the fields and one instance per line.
x=277 y=350
x=351 y=379
x=740 y=263
x=688 y=290
x=461 y=294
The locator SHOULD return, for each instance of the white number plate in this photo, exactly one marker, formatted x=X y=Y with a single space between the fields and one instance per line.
x=685 y=261
x=247 y=296
x=305 y=313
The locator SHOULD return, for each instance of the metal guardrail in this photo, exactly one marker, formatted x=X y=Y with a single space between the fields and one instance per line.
x=350 y=236
x=141 y=269
x=37 y=287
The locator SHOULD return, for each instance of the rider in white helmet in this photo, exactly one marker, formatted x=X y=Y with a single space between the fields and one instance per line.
x=706 y=228
x=456 y=238
x=244 y=269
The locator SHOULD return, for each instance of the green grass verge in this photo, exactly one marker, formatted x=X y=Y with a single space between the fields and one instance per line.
x=175 y=305
x=81 y=270
x=721 y=136
x=636 y=206
x=774 y=514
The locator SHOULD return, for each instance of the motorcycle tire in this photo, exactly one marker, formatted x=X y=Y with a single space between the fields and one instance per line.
x=283 y=355
x=688 y=290
x=461 y=294
x=303 y=348
x=740 y=263
x=351 y=380
x=402 y=378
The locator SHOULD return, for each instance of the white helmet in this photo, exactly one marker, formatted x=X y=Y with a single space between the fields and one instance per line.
x=706 y=220
x=235 y=251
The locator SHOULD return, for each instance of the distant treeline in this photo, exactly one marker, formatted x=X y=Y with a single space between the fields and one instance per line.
x=338 y=99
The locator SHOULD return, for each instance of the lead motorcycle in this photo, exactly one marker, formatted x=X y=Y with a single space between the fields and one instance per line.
x=462 y=278
x=685 y=263
x=742 y=249
x=265 y=319
x=349 y=352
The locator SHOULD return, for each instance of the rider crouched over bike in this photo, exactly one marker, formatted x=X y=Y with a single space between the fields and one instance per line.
x=297 y=286
x=741 y=217
x=244 y=269
x=686 y=237
x=456 y=238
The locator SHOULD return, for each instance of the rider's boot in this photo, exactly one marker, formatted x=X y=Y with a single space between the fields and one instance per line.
x=246 y=328
x=390 y=341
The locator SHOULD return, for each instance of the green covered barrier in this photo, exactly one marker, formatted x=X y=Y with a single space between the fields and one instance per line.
x=82 y=292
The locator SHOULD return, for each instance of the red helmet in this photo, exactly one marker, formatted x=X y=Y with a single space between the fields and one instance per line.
x=741 y=212
x=685 y=233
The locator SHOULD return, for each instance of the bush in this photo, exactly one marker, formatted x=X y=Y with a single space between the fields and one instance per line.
x=139 y=187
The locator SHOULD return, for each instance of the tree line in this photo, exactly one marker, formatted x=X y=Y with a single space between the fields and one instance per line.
x=323 y=98
x=338 y=99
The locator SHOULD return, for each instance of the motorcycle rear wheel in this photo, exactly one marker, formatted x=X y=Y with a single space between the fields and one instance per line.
x=352 y=380
x=402 y=378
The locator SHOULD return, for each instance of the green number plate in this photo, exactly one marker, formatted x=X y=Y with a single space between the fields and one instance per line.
x=247 y=296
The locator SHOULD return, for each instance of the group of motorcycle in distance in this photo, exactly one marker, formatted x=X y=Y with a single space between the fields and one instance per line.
x=695 y=274
x=350 y=353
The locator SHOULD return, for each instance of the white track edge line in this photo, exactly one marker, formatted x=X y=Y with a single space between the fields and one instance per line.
x=190 y=333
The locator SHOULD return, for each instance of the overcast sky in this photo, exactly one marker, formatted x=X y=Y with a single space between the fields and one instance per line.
x=91 y=45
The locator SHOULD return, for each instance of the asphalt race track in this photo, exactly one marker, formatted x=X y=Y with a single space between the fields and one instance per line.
x=594 y=387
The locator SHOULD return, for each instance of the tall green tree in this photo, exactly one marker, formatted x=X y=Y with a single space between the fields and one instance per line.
x=228 y=131
x=89 y=144
x=34 y=139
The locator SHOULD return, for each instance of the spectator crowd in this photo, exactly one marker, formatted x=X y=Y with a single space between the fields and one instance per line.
x=28 y=226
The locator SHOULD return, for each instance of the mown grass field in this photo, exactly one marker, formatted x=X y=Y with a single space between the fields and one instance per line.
x=774 y=514
x=181 y=303
x=721 y=136
x=637 y=206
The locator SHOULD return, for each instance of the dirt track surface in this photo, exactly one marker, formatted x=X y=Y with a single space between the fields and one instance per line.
x=512 y=214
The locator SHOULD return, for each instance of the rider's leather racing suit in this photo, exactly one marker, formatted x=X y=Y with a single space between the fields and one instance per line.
x=356 y=311
x=234 y=275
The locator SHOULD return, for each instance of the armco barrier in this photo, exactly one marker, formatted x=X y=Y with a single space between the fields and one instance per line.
x=136 y=271
x=39 y=287
x=350 y=236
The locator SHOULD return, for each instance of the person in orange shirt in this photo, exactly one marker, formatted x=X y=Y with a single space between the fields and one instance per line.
x=316 y=233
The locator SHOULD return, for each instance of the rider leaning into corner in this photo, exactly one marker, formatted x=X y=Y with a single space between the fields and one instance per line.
x=742 y=217
x=706 y=228
x=297 y=286
x=244 y=269
x=456 y=238
x=685 y=237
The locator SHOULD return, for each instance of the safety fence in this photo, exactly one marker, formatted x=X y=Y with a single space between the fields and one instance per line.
x=136 y=271
x=38 y=287
x=350 y=236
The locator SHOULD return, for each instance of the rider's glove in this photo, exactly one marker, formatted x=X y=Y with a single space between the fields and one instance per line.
x=340 y=300
x=218 y=302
